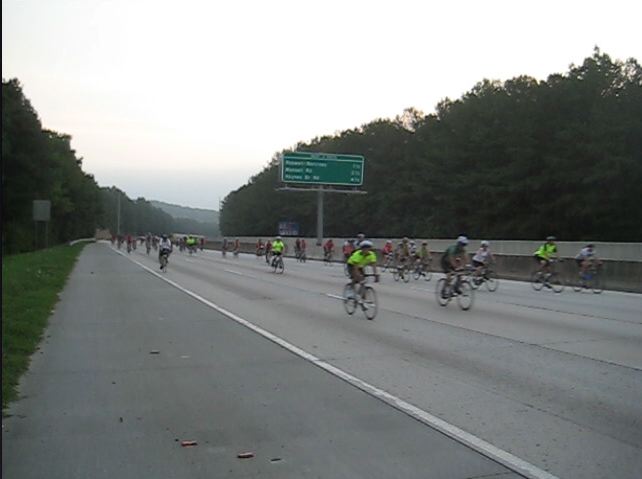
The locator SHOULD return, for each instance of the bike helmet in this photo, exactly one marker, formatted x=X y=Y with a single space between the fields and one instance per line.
x=366 y=244
x=424 y=242
x=389 y=242
x=550 y=238
x=278 y=237
x=485 y=243
x=462 y=240
x=591 y=245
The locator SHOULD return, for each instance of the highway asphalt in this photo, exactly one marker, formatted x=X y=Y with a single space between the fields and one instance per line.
x=133 y=365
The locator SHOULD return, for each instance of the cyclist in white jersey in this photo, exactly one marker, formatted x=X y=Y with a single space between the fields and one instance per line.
x=482 y=257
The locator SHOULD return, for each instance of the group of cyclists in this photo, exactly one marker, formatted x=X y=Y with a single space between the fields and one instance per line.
x=360 y=253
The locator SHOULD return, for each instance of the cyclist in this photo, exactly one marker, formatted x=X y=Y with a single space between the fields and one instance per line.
x=424 y=255
x=237 y=247
x=302 y=248
x=164 y=248
x=586 y=257
x=387 y=249
x=454 y=257
x=361 y=258
x=482 y=258
x=348 y=249
x=546 y=253
x=360 y=237
x=403 y=252
x=259 y=247
x=328 y=250
x=277 y=248
x=268 y=251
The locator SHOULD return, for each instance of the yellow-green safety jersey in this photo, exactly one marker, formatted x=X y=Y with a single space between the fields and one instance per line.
x=278 y=246
x=546 y=251
x=361 y=259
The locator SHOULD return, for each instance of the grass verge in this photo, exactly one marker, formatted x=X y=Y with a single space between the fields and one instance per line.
x=31 y=283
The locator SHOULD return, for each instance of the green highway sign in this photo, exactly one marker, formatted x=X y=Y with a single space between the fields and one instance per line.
x=322 y=169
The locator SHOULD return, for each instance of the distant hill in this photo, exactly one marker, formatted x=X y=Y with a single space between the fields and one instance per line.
x=198 y=214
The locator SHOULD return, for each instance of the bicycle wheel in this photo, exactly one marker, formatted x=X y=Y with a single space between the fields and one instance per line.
x=369 y=302
x=395 y=274
x=405 y=275
x=349 y=300
x=466 y=295
x=537 y=280
x=280 y=267
x=427 y=275
x=442 y=291
x=475 y=281
x=556 y=283
x=596 y=283
x=416 y=274
x=346 y=270
x=492 y=283
x=578 y=284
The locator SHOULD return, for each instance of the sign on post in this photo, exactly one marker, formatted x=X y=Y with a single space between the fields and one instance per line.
x=41 y=210
x=322 y=169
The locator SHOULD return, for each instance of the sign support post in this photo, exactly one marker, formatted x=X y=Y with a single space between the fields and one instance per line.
x=320 y=216
x=323 y=172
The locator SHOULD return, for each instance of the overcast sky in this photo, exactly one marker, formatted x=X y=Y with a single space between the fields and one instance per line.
x=183 y=101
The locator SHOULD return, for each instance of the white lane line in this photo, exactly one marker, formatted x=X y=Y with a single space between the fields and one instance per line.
x=505 y=458
x=234 y=272
x=335 y=296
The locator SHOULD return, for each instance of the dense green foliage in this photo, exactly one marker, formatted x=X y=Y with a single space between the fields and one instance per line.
x=39 y=164
x=31 y=283
x=514 y=160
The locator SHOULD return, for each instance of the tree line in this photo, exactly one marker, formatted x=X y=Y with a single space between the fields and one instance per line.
x=39 y=164
x=520 y=159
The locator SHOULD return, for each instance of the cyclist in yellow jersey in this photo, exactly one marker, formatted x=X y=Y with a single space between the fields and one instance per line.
x=361 y=258
x=546 y=253
x=277 y=246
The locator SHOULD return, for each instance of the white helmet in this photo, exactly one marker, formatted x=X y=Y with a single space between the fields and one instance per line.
x=462 y=240
x=485 y=243
x=365 y=244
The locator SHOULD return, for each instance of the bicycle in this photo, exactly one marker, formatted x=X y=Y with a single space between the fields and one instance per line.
x=164 y=260
x=401 y=272
x=327 y=258
x=461 y=289
x=422 y=269
x=277 y=264
x=487 y=277
x=389 y=262
x=301 y=256
x=551 y=279
x=590 y=279
x=365 y=297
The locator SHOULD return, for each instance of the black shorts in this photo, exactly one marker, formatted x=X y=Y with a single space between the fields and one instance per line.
x=478 y=264
x=539 y=259
x=445 y=264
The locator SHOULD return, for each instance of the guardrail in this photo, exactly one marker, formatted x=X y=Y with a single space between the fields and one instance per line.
x=622 y=262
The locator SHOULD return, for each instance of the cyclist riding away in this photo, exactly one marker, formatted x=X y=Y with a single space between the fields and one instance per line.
x=482 y=258
x=424 y=255
x=546 y=253
x=328 y=250
x=587 y=257
x=454 y=257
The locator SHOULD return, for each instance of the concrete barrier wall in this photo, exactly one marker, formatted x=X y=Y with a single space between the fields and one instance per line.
x=514 y=259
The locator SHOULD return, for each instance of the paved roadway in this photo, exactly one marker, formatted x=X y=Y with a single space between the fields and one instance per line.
x=553 y=380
